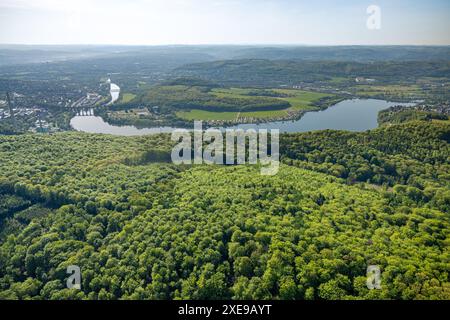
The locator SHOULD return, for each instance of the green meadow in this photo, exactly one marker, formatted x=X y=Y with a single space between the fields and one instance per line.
x=207 y=115
x=298 y=100
x=127 y=97
x=301 y=100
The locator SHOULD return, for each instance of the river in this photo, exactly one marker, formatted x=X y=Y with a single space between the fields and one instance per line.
x=115 y=93
x=351 y=115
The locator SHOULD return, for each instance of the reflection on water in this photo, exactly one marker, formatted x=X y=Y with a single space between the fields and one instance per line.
x=93 y=124
x=351 y=115
x=115 y=93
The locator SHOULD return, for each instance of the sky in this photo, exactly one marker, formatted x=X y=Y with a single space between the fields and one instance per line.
x=161 y=22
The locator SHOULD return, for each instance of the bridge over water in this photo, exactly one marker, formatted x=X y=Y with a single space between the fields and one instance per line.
x=84 y=112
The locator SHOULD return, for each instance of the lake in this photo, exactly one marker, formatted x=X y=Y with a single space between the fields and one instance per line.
x=350 y=115
x=93 y=124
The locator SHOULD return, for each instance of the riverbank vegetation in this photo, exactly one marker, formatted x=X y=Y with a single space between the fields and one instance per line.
x=396 y=115
x=259 y=72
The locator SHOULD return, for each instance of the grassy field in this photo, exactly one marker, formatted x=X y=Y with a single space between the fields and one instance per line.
x=229 y=116
x=338 y=80
x=301 y=100
x=237 y=93
x=292 y=101
x=390 y=90
x=298 y=99
x=264 y=114
x=127 y=97
x=207 y=115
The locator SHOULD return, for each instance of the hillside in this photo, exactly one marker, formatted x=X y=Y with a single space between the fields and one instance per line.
x=259 y=72
x=142 y=228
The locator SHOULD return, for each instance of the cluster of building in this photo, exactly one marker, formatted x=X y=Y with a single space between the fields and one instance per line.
x=364 y=80
x=322 y=89
x=440 y=108
x=90 y=100
x=42 y=126
x=443 y=108
x=141 y=112
x=19 y=112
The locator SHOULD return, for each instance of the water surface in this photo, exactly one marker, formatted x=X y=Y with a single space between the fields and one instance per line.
x=94 y=124
x=115 y=93
x=350 y=115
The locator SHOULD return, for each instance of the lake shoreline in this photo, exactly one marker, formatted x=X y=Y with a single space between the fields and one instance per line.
x=351 y=115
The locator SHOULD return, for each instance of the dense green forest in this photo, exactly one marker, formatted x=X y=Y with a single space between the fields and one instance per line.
x=382 y=157
x=387 y=117
x=142 y=228
x=259 y=72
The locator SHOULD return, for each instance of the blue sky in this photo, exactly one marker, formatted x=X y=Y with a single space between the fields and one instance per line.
x=156 y=22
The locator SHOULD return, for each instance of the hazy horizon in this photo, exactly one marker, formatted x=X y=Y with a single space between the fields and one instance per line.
x=221 y=22
x=262 y=45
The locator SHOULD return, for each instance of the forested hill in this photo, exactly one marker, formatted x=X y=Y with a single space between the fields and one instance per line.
x=348 y=53
x=142 y=228
x=415 y=153
x=260 y=72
